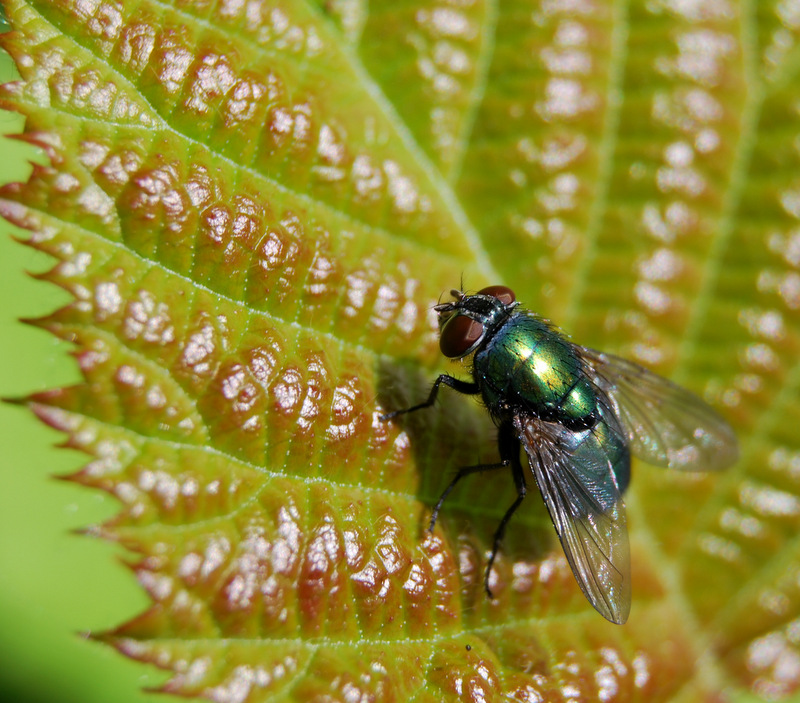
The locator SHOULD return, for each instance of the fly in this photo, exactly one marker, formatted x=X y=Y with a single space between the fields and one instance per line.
x=578 y=414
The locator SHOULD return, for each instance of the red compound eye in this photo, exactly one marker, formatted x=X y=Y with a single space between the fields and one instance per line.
x=458 y=335
x=503 y=293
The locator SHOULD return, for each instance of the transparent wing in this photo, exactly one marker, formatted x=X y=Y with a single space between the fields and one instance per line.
x=576 y=474
x=666 y=425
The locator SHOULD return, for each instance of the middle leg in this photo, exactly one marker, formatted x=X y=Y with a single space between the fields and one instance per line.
x=462 y=472
x=509 y=451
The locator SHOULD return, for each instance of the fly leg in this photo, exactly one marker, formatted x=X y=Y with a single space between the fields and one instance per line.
x=509 y=452
x=456 y=384
x=463 y=471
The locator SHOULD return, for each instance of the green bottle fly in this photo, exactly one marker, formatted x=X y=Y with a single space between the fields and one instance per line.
x=578 y=414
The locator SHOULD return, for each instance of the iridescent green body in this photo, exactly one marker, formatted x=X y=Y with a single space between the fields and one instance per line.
x=526 y=363
x=525 y=366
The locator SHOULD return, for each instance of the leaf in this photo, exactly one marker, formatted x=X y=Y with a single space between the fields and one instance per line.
x=254 y=206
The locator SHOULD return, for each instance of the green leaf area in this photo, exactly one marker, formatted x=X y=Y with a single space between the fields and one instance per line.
x=254 y=206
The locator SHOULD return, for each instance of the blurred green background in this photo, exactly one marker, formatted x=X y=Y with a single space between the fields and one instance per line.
x=53 y=584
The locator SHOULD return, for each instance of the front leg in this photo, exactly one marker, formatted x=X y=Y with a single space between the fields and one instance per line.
x=456 y=384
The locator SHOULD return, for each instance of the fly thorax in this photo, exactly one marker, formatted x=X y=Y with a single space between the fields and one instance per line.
x=577 y=408
x=528 y=365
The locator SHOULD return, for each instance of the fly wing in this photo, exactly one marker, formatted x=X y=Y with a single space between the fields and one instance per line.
x=666 y=425
x=576 y=474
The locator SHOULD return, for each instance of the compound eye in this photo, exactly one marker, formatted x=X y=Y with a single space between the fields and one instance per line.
x=503 y=293
x=458 y=335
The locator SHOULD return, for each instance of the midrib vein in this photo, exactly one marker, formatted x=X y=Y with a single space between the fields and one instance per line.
x=754 y=99
x=606 y=151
